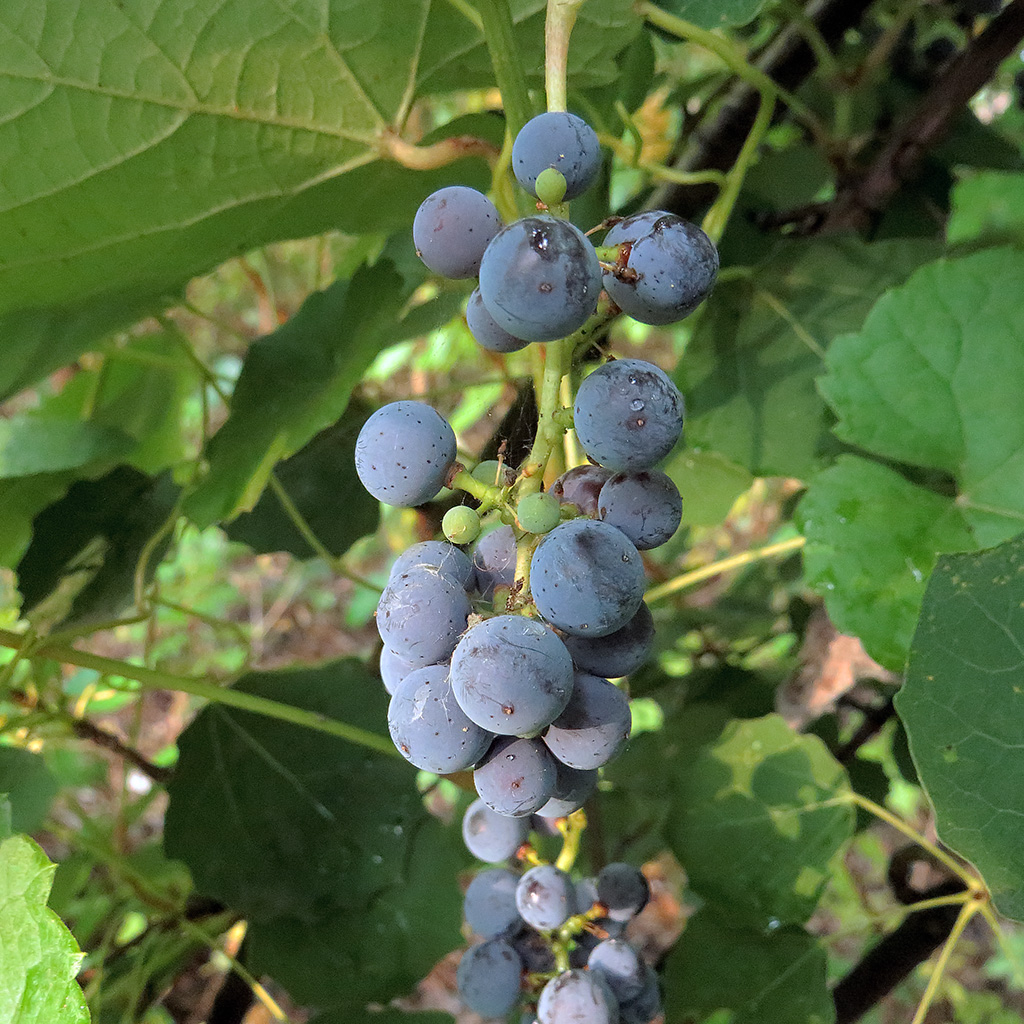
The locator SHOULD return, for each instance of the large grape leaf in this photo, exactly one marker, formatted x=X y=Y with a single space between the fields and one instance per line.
x=962 y=705
x=987 y=206
x=749 y=371
x=39 y=958
x=324 y=846
x=872 y=539
x=752 y=824
x=934 y=379
x=774 y=976
x=714 y=13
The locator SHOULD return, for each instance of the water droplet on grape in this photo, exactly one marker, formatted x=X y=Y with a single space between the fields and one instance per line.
x=636 y=405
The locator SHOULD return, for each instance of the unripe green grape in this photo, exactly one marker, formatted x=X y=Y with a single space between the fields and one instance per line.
x=538 y=513
x=551 y=186
x=492 y=473
x=461 y=524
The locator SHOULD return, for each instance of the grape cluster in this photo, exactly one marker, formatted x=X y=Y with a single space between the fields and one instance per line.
x=558 y=944
x=501 y=642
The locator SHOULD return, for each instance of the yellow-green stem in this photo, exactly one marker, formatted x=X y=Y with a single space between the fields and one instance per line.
x=549 y=433
x=572 y=829
x=968 y=911
x=496 y=19
x=561 y=16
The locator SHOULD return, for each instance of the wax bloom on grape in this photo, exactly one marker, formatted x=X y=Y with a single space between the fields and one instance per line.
x=669 y=270
x=489 y=334
x=516 y=776
x=421 y=616
x=540 y=278
x=488 y=977
x=628 y=415
x=452 y=228
x=439 y=556
x=494 y=561
x=558 y=140
x=645 y=506
x=595 y=725
x=404 y=452
x=490 y=836
x=619 y=653
x=581 y=486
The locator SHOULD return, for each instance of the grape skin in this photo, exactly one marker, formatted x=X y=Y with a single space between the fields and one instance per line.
x=538 y=513
x=403 y=453
x=560 y=140
x=452 y=228
x=573 y=788
x=581 y=487
x=619 y=653
x=642 y=1009
x=670 y=270
x=494 y=561
x=489 y=334
x=545 y=897
x=516 y=776
x=540 y=278
x=393 y=669
x=623 y=890
x=628 y=415
x=428 y=726
x=421 y=615
x=437 y=554
x=617 y=961
x=577 y=997
x=594 y=726
x=511 y=675
x=488 y=977
x=645 y=506
x=492 y=837
x=489 y=905
x=587 y=578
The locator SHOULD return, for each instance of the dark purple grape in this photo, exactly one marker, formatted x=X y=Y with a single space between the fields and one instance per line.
x=545 y=897
x=535 y=952
x=642 y=1009
x=490 y=836
x=620 y=965
x=421 y=616
x=489 y=905
x=511 y=675
x=494 y=561
x=669 y=271
x=404 y=452
x=489 y=977
x=580 y=487
x=488 y=333
x=623 y=890
x=540 y=278
x=516 y=777
x=644 y=505
x=573 y=788
x=452 y=228
x=560 y=140
x=577 y=997
x=628 y=415
x=393 y=669
x=587 y=578
x=428 y=726
x=618 y=653
x=594 y=726
x=436 y=554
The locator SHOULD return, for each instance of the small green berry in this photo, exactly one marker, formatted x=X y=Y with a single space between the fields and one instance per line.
x=491 y=473
x=550 y=186
x=538 y=513
x=461 y=524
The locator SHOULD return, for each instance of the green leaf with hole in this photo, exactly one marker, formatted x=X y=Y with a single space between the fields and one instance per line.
x=773 y=976
x=934 y=379
x=767 y=803
x=872 y=539
x=324 y=846
x=750 y=368
x=40 y=957
x=294 y=383
x=962 y=705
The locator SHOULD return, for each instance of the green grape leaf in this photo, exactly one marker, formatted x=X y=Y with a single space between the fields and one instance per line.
x=872 y=539
x=29 y=785
x=294 y=383
x=714 y=13
x=988 y=206
x=81 y=564
x=34 y=444
x=22 y=499
x=324 y=846
x=709 y=484
x=750 y=368
x=756 y=799
x=774 y=976
x=934 y=379
x=961 y=705
x=321 y=480
x=40 y=956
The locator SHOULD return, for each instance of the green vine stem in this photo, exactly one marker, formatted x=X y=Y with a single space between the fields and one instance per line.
x=963 y=919
x=153 y=679
x=549 y=432
x=496 y=19
x=558 y=25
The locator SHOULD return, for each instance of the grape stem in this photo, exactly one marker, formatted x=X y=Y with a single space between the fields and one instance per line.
x=558 y=25
x=488 y=495
x=440 y=154
x=572 y=829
